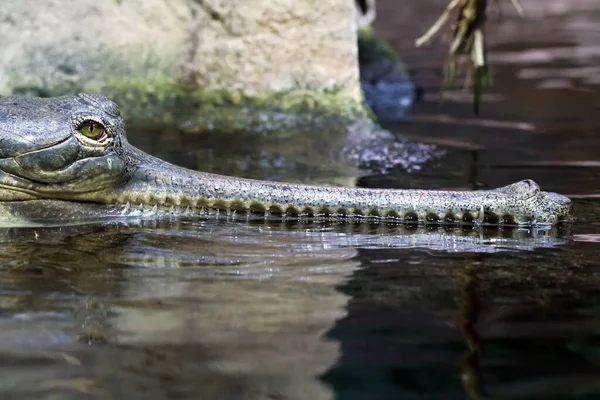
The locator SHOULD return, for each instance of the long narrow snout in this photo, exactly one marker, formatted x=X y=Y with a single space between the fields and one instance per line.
x=156 y=182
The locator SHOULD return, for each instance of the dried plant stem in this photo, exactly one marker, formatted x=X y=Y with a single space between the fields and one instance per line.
x=468 y=42
x=441 y=21
x=517 y=5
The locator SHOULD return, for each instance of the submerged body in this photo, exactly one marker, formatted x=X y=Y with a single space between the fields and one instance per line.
x=67 y=159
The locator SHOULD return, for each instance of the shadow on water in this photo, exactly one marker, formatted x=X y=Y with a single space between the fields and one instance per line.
x=203 y=308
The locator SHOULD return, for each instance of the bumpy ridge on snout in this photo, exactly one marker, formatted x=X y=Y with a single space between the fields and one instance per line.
x=526 y=204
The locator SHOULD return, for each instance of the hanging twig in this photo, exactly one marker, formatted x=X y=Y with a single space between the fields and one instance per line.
x=517 y=5
x=441 y=21
x=468 y=43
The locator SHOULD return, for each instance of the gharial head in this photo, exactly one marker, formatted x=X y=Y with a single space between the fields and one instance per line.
x=55 y=147
x=74 y=148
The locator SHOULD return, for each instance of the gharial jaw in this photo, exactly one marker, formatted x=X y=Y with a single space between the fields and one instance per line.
x=172 y=188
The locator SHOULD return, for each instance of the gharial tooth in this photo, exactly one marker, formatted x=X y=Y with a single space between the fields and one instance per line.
x=480 y=217
x=154 y=209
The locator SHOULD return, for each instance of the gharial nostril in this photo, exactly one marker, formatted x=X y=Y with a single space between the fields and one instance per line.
x=531 y=183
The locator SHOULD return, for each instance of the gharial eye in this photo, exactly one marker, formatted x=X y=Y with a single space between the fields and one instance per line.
x=91 y=129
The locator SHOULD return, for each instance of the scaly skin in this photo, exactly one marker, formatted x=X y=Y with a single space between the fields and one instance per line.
x=45 y=157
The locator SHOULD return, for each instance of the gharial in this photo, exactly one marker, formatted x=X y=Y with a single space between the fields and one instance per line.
x=67 y=159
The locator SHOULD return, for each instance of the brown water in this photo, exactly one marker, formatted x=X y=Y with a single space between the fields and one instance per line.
x=206 y=309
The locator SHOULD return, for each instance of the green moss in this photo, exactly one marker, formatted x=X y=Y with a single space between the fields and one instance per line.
x=372 y=48
x=165 y=101
x=150 y=90
x=168 y=102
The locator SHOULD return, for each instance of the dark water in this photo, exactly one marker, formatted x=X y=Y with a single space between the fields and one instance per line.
x=207 y=309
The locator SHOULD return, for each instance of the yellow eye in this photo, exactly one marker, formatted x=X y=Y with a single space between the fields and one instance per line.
x=92 y=129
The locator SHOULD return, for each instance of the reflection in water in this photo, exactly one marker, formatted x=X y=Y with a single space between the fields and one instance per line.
x=174 y=309
x=177 y=308
x=337 y=155
x=469 y=309
x=426 y=324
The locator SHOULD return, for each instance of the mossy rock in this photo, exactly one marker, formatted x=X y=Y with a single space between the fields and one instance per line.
x=167 y=102
x=386 y=84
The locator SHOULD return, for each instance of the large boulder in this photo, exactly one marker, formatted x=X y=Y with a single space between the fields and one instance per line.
x=157 y=54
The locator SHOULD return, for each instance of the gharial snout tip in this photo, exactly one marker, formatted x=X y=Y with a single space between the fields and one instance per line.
x=562 y=205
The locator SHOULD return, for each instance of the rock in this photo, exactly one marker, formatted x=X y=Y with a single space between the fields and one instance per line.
x=154 y=55
x=387 y=87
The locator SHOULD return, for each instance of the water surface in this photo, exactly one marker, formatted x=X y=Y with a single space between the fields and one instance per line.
x=212 y=309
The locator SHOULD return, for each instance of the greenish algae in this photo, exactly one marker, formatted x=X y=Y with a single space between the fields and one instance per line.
x=169 y=102
x=371 y=47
